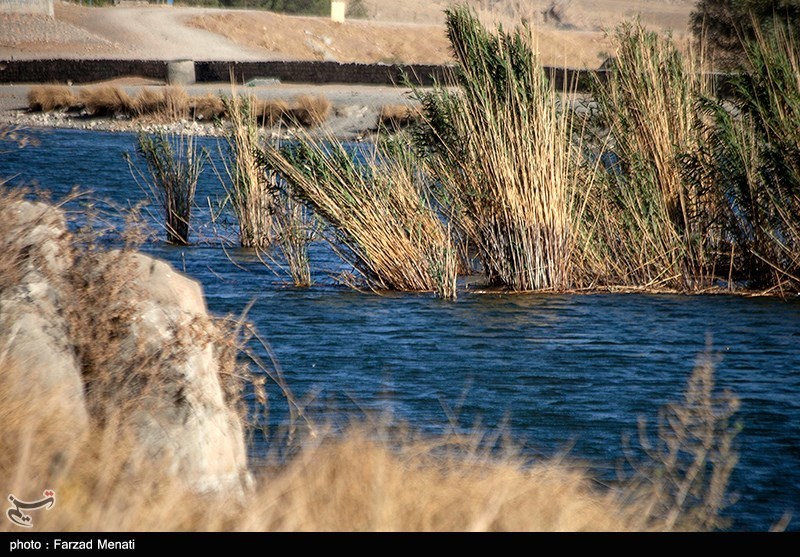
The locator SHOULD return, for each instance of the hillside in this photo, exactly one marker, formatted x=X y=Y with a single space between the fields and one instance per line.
x=409 y=31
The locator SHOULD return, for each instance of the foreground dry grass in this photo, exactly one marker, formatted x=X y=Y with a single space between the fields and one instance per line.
x=352 y=483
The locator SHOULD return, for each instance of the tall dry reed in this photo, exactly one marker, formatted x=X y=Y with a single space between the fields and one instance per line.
x=295 y=227
x=504 y=150
x=652 y=225
x=381 y=216
x=172 y=166
x=249 y=191
x=752 y=158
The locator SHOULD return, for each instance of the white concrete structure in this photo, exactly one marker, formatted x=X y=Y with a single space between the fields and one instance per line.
x=338 y=9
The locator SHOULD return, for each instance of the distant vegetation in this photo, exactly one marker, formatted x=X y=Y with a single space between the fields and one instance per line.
x=172 y=103
x=307 y=7
x=726 y=25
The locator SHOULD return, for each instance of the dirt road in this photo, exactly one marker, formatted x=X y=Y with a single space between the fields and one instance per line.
x=408 y=31
x=130 y=33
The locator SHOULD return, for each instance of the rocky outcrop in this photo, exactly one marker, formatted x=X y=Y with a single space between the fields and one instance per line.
x=40 y=372
x=185 y=414
x=122 y=335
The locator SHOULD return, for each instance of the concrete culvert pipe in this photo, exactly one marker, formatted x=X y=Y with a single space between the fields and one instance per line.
x=180 y=72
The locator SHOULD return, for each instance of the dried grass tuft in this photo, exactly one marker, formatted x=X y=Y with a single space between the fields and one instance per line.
x=309 y=111
x=207 y=108
x=107 y=100
x=397 y=116
x=270 y=112
x=46 y=98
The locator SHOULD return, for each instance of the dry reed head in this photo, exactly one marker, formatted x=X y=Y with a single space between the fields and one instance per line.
x=46 y=98
x=106 y=100
x=309 y=110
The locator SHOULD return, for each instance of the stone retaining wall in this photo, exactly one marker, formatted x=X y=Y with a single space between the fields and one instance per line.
x=88 y=71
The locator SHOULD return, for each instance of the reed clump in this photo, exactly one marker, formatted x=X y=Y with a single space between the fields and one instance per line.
x=655 y=226
x=295 y=227
x=248 y=189
x=752 y=158
x=506 y=156
x=381 y=215
x=172 y=166
x=46 y=98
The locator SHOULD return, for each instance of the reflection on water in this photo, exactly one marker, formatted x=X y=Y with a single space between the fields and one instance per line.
x=562 y=373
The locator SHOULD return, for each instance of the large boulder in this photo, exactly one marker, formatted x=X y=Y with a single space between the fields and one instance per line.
x=99 y=335
x=39 y=372
x=184 y=416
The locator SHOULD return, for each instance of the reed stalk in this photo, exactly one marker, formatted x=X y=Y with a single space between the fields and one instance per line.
x=507 y=155
x=380 y=214
x=172 y=166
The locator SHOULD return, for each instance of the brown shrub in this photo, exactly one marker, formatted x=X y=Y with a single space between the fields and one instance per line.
x=270 y=112
x=106 y=100
x=148 y=101
x=167 y=104
x=46 y=98
x=396 y=116
x=176 y=103
x=310 y=110
x=208 y=107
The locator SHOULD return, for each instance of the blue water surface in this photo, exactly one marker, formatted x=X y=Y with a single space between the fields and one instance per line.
x=562 y=373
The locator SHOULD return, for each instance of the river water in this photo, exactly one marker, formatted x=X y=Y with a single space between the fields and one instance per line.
x=561 y=374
